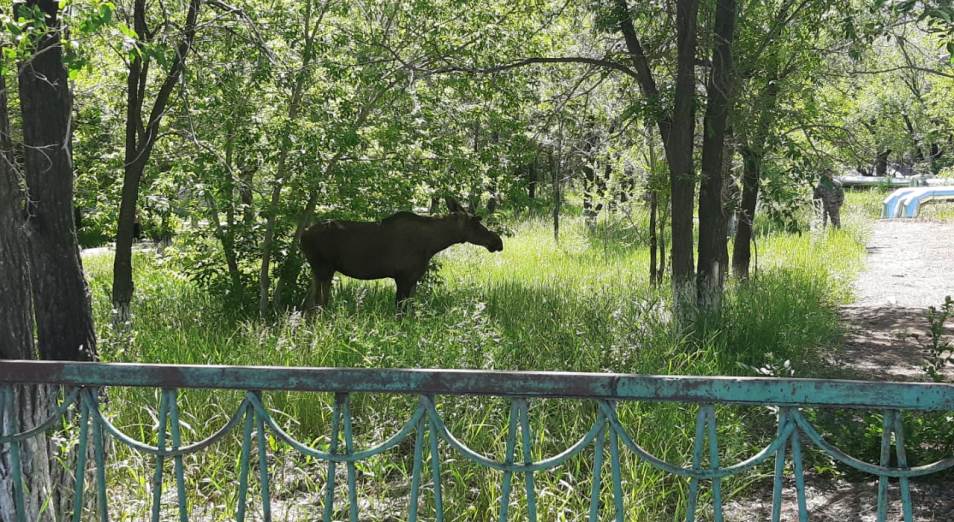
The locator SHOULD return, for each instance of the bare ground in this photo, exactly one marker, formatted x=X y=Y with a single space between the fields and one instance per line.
x=910 y=266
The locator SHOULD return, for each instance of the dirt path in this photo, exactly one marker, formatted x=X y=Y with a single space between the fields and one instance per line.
x=910 y=266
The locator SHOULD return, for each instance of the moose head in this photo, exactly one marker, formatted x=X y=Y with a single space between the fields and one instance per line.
x=471 y=228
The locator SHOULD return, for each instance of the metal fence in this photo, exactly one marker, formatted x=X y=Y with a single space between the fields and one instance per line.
x=84 y=380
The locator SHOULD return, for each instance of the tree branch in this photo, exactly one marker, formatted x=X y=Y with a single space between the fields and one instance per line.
x=600 y=62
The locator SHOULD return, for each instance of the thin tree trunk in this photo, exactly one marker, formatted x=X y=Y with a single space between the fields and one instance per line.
x=532 y=178
x=294 y=106
x=653 y=241
x=913 y=135
x=289 y=273
x=752 y=153
x=556 y=172
x=675 y=128
x=881 y=162
x=745 y=215
x=654 y=273
x=140 y=141
x=720 y=93
x=589 y=181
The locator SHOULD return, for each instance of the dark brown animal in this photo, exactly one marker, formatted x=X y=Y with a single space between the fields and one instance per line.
x=398 y=247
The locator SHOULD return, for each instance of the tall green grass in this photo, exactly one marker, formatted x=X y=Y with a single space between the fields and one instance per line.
x=583 y=304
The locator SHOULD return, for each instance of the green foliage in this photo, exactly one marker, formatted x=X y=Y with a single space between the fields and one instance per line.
x=940 y=351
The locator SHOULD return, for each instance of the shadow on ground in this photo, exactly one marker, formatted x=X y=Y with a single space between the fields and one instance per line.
x=884 y=343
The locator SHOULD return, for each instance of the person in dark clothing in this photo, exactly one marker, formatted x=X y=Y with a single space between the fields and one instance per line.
x=831 y=195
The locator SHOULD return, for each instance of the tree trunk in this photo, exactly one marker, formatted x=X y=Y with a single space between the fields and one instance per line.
x=745 y=216
x=881 y=162
x=16 y=336
x=294 y=106
x=140 y=141
x=720 y=93
x=40 y=262
x=675 y=128
x=679 y=148
x=753 y=151
x=913 y=134
x=532 y=178
x=555 y=171
x=655 y=274
x=589 y=180
x=653 y=241
x=61 y=298
x=16 y=310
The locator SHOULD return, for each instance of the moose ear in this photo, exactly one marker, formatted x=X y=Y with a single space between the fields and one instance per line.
x=453 y=205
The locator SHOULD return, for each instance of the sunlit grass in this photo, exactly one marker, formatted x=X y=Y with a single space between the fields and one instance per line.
x=581 y=304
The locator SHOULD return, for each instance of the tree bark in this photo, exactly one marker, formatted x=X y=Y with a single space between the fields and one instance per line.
x=61 y=298
x=655 y=273
x=39 y=262
x=720 y=93
x=556 y=170
x=745 y=215
x=140 y=141
x=16 y=335
x=752 y=150
x=16 y=310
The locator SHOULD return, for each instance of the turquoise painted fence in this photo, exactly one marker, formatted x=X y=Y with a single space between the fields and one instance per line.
x=84 y=381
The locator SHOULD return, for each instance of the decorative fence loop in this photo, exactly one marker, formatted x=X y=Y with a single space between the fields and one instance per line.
x=433 y=438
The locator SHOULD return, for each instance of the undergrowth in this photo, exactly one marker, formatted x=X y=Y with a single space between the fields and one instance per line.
x=582 y=304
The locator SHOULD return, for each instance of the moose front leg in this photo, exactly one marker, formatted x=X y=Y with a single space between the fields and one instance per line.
x=405 y=289
x=320 y=289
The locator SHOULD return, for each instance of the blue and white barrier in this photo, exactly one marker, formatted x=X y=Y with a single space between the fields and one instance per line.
x=907 y=202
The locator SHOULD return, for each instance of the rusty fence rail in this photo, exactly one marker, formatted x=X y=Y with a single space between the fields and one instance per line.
x=83 y=381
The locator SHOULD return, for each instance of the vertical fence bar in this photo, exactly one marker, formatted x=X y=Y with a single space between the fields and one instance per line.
x=177 y=460
x=161 y=444
x=696 y=464
x=263 y=462
x=12 y=419
x=885 y=461
x=352 y=473
x=597 y=471
x=714 y=463
x=436 y=469
x=903 y=464
x=99 y=453
x=799 y=477
x=81 y=460
x=614 y=464
x=779 y=466
x=528 y=459
x=416 y=470
x=508 y=459
x=244 y=462
x=333 y=449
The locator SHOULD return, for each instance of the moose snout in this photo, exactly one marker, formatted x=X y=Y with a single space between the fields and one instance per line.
x=496 y=245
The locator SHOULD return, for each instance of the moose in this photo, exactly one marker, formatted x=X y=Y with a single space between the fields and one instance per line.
x=397 y=247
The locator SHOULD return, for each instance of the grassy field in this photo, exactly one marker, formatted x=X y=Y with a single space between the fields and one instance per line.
x=583 y=304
